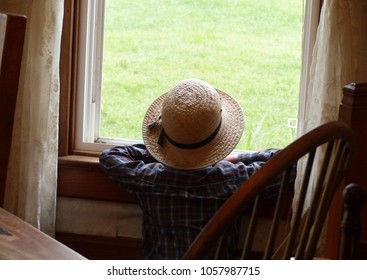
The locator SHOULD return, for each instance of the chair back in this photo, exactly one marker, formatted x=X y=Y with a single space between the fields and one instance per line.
x=299 y=238
x=12 y=32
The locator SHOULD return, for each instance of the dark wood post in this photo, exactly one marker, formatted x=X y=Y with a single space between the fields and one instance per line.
x=352 y=111
x=350 y=228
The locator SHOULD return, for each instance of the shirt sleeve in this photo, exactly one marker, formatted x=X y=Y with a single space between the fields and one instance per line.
x=121 y=163
x=260 y=156
x=255 y=160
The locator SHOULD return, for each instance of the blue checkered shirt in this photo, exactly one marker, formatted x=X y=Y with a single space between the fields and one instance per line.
x=176 y=203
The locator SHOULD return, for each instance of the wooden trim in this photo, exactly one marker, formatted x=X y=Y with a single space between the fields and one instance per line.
x=73 y=92
x=68 y=77
x=68 y=81
x=65 y=77
x=81 y=177
x=103 y=248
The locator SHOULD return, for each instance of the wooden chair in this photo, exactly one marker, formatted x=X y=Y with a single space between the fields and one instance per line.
x=335 y=141
x=12 y=32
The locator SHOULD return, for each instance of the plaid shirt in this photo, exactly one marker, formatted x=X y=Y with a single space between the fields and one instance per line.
x=176 y=203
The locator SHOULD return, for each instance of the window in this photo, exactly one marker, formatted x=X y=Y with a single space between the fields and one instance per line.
x=121 y=63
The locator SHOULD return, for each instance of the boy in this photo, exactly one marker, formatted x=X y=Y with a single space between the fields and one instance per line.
x=184 y=170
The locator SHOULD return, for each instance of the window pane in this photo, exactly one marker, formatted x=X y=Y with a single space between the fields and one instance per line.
x=249 y=49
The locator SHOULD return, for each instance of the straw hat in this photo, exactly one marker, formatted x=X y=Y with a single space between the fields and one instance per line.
x=192 y=126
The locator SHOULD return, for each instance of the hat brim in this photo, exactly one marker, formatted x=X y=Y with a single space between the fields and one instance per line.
x=217 y=149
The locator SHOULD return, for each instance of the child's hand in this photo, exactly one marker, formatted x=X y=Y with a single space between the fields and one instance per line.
x=232 y=158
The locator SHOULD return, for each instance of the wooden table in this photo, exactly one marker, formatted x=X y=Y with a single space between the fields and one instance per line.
x=21 y=241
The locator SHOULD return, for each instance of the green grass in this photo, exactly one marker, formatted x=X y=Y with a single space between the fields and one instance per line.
x=249 y=49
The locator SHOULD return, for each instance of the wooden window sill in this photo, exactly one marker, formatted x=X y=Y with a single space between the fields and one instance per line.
x=81 y=177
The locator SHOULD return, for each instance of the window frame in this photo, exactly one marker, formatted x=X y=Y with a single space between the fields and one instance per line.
x=69 y=74
x=89 y=61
